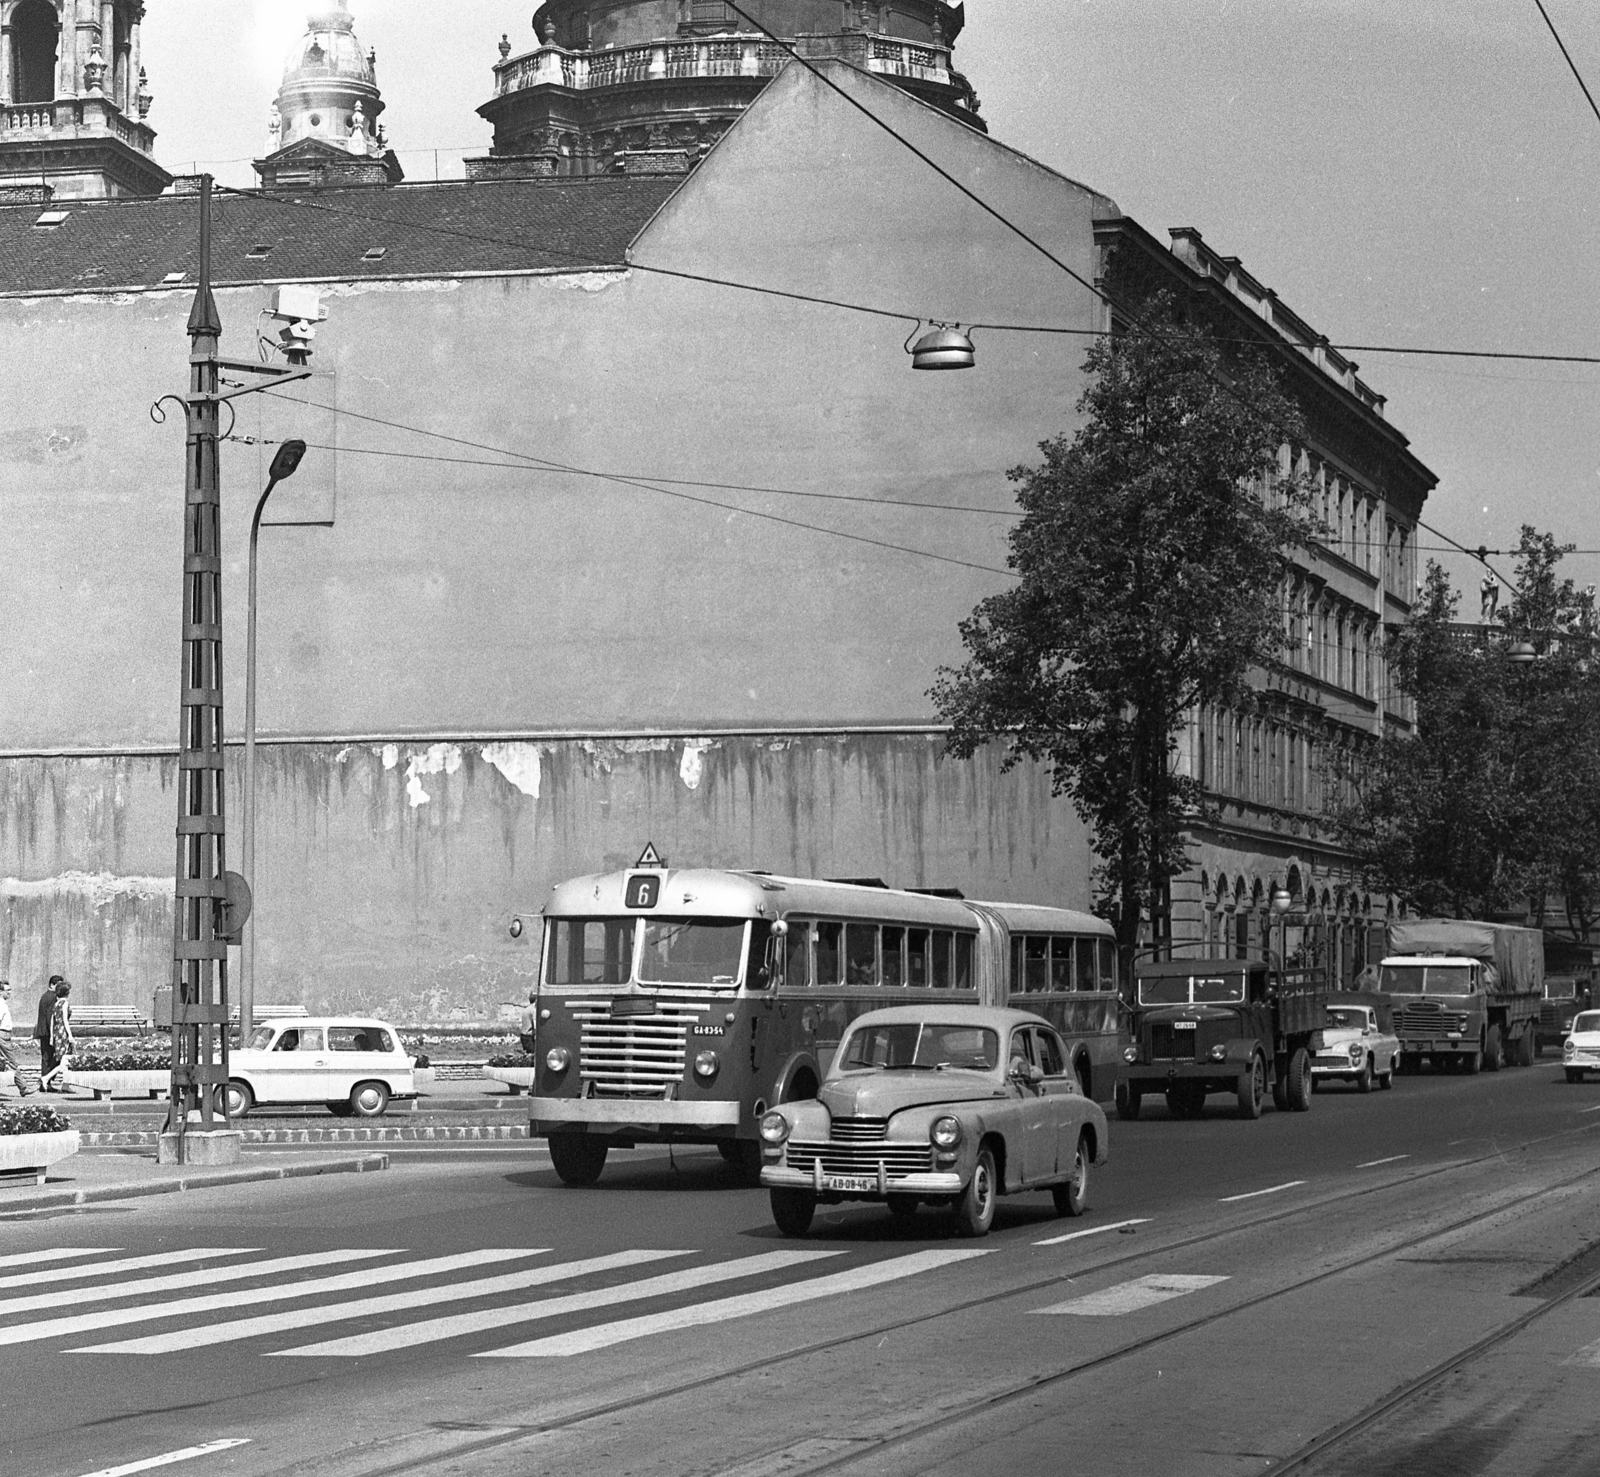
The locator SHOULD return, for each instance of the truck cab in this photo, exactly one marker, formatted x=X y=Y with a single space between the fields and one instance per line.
x=1564 y=996
x=1199 y=1026
x=1438 y=1004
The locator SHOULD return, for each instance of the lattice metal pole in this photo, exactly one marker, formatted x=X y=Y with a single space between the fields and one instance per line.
x=200 y=952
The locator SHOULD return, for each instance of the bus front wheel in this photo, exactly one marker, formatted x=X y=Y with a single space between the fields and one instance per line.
x=578 y=1159
x=744 y=1155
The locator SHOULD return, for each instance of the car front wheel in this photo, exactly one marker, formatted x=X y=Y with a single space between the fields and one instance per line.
x=1072 y=1198
x=792 y=1210
x=369 y=1099
x=1574 y=1074
x=234 y=1099
x=975 y=1208
x=1364 y=1081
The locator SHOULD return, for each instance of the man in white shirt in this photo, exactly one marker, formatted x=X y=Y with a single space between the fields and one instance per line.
x=8 y=1052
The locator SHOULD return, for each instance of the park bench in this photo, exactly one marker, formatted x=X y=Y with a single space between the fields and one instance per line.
x=109 y=1020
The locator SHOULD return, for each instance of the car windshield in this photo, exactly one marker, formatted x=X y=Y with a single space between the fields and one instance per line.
x=1589 y=1020
x=260 y=1038
x=1430 y=979
x=1347 y=1020
x=920 y=1046
x=692 y=951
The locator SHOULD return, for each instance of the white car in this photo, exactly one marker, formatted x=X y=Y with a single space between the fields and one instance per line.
x=355 y=1066
x=1354 y=1049
x=1580 y=1052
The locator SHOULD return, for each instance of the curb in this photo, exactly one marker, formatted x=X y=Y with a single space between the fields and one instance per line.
x=53 y=1199
x=399 y=1134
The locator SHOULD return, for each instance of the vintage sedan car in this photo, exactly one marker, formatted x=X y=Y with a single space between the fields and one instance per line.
x=355 y=1066
x=952 y=1105
x=1580 y=1052
x=1355 y=1049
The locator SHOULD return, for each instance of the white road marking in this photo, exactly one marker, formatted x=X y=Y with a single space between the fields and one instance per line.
x=1251 y=1195
x=606 y=1334
x=244 y=1328
x=1092 y=1231
x=168 y=1458
x=1392 y=1159
x=1595 y=1109
x=54 y=1254
x=1588 y=1357
x=126 y=1264
x=432 y=1330
x=208 y=1276
x=1129 y=1297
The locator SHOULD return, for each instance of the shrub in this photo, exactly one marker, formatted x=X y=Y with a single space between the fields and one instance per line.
x=513 y=1059
x=133 y=1061
x=30 y=1120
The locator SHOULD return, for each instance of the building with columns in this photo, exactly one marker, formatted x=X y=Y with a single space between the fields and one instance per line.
x=73 y=102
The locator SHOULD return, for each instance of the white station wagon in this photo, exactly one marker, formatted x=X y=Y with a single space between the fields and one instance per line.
x=357 y=1067
x=1580 y=1052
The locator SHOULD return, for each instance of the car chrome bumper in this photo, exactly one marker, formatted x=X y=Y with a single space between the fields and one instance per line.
x=642 y=1113
x=931 y=1182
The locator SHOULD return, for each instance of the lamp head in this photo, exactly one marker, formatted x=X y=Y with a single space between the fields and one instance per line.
x=1282 y=900
x=286 y=460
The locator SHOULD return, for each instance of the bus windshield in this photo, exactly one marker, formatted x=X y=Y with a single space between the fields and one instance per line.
x=692 y=951
x=1431 y=979
x=920 y=1046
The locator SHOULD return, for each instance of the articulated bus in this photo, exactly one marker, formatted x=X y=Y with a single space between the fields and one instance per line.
x=677 y=1005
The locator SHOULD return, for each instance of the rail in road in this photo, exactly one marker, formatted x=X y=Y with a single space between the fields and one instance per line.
x=95 y=1301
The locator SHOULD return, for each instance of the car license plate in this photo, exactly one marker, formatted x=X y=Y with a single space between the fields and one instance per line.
x=849 y=1182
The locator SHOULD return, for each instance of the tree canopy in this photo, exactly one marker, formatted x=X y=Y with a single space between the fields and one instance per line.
x=1150 y=557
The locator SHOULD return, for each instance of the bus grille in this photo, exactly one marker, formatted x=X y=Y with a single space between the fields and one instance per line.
x=897 y=1159
x=859 y=1130
x=633 y=1055
x=1429 y=1017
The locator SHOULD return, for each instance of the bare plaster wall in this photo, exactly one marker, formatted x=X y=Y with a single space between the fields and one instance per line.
x=388 y=874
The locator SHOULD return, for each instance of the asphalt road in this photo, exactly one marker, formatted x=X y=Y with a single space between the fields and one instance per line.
x=1237 y=1289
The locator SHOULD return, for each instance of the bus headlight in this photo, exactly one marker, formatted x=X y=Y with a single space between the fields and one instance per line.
x=945 y=1133
x=774 y=1128
x=1130 y=1054
x=706 y=1064
x=558 y=1059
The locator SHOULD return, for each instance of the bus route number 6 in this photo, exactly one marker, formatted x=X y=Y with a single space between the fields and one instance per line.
x=642 y=891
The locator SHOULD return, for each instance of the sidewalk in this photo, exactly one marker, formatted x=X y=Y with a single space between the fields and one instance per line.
x=88 y=1178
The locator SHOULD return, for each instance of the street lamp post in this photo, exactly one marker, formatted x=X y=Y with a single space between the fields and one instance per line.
x=283 y=466
x=1282 y=901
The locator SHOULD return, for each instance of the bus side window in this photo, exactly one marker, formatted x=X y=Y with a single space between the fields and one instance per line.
x=1017 y=972
x=1087 y=979
x=964 y=961
x=1036 y=956
x=1060 y=964
x=894 y=963
x=797 y=955
x=1106 y=953
x=861 y=953
x=943 y=946
x=917 y=961
x=829 y=953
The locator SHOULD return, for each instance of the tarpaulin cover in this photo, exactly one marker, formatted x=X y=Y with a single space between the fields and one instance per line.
x=1518 y=953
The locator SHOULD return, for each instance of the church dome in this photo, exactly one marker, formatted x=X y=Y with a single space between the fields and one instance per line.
x=329 y=48
x=330 y=88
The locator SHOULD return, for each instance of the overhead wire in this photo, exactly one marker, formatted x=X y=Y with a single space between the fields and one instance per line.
x=1588 y=96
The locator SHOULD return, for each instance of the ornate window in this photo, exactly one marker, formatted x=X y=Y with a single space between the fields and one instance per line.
x=34 y=30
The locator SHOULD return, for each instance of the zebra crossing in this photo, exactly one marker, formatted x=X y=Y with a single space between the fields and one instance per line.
x=509 y=1302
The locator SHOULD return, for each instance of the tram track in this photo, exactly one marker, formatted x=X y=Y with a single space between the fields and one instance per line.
x=501 y=1435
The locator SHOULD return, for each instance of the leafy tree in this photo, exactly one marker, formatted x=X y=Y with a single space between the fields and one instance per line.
x=1150 y=558
x=1493 y=805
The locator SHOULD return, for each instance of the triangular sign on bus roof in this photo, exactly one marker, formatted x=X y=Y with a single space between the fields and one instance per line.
x=650 y=857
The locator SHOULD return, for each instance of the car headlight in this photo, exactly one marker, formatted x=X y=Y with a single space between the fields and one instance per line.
x=1357 y=1051
x=558 y=1059
x=706 y=1064
x=1130 y=1054
x=945 y=1133
x=774 y=1128
x=1569 y=1047
x=1218 y=1052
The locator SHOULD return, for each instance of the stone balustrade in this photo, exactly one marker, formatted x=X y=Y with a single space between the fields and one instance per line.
x=89 y=114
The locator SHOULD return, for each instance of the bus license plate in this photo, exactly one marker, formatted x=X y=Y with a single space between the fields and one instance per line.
x=849 y=1182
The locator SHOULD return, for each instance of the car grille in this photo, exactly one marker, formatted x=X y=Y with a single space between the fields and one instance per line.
x=1169 y=1045
x=1430 y=1017
x=633 y=1055
x=859 y=1130
x=897 y=1159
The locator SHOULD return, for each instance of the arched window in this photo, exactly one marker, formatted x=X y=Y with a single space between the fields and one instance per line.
x=33 y=52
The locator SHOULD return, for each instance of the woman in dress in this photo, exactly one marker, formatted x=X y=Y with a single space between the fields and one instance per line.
x=60 y=1033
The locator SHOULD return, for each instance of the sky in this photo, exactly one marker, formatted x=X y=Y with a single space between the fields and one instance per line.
x=1413 y=174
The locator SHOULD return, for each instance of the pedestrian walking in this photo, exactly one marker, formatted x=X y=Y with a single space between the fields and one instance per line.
x=525 y=1028
x=41 y=1030
x=60 y=1034
x=8 y=1051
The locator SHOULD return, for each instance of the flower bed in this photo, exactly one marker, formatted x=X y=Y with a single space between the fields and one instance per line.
x=14 y=1122
x=514 y=1059
x=133 y=1061
x=32 y=1139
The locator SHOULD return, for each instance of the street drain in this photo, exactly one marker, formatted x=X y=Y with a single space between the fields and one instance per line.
x=1582 y=1266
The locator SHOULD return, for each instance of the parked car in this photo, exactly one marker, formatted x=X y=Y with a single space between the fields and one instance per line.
x=948 y=1105
x=1580 y=1052
x=1355 y=1049
x=355 y=1066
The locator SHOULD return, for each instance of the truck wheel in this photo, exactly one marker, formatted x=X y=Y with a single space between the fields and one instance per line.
x=1364 y=1081
x=1471 y=1064
x=1494 y=1050
x=744 y=1157
x=1525 y=1048
x=1252 y=1088
x=792 y=1210
x=1300 y=1081
x=1280 y=1094
x=1129 y=1098
x=578 y=1159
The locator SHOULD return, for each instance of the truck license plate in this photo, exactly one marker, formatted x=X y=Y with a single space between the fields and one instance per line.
x=849 y=1182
